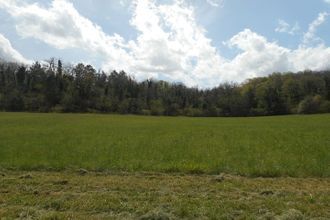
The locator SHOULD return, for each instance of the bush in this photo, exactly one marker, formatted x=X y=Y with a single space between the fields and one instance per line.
x=57 y=109
x=212 y=111
x=325 y=107
x=156 y=107
x=104 y=105
x=257 y=112
x=14 y=102
x=123 y=107
x=193 y=112
x=1 y=101
x=310 y=105
x=146 y=112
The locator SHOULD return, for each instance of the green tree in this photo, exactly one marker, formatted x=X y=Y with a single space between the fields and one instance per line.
x=156 y=107
x=310 y=105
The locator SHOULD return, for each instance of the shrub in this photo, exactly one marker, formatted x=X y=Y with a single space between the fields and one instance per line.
x=156 y=107
x=325 y=107
x=146 y=112
x=310 y=105
x=193 y=112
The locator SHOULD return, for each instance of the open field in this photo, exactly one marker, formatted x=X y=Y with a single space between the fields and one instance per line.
x=69 y=195
x=296 y=146
x=163 y=167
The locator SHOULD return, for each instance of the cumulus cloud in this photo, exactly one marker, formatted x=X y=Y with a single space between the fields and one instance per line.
x=284 y=27
x=260 y=57
x=313 y=58
x=170 y=43
x=310 y=35
x=9 y=53
x=62 y=27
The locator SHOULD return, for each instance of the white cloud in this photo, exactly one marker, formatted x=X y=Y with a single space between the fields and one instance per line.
x=170 y=44
x=310 y=35
x=284 y=27
x=313 y=58
x=9 y=53
x=216 y=3
x=261 y=57
x=62 y=27
x=327 y=1
x=258 y=57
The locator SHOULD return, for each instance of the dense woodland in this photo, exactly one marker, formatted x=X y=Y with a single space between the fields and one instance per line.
x=50 y=87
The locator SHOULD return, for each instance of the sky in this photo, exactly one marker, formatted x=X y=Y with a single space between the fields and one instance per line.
x=200 y=43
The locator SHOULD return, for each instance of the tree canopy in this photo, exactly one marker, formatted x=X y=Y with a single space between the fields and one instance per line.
x=51 y=87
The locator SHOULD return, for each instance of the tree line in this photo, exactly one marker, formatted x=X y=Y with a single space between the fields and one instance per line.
x=51 y=87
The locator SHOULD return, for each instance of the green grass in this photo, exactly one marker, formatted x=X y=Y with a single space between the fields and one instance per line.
x=98 y=195
x=296 y=146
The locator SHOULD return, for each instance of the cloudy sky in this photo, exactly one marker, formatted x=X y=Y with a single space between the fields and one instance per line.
x=197 y=42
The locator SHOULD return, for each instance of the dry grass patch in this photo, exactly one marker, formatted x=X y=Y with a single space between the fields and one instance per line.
x=100 y=195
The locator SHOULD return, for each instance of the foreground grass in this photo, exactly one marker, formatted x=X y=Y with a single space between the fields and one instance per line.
x=70 y=195
x=296 y=146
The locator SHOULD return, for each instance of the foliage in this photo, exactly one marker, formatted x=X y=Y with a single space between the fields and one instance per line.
x=310 y=105
x=52 y=87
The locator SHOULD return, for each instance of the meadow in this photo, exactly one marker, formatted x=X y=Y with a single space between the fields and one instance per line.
x=148 y=196
x=295 y=146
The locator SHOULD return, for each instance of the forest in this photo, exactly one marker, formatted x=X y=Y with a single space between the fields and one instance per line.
x=53 y=87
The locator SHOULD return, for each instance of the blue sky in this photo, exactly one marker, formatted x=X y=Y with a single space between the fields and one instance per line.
x=197 y=42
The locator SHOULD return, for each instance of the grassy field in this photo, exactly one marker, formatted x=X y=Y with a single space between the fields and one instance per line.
x=296 y=146
x=150 y=196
